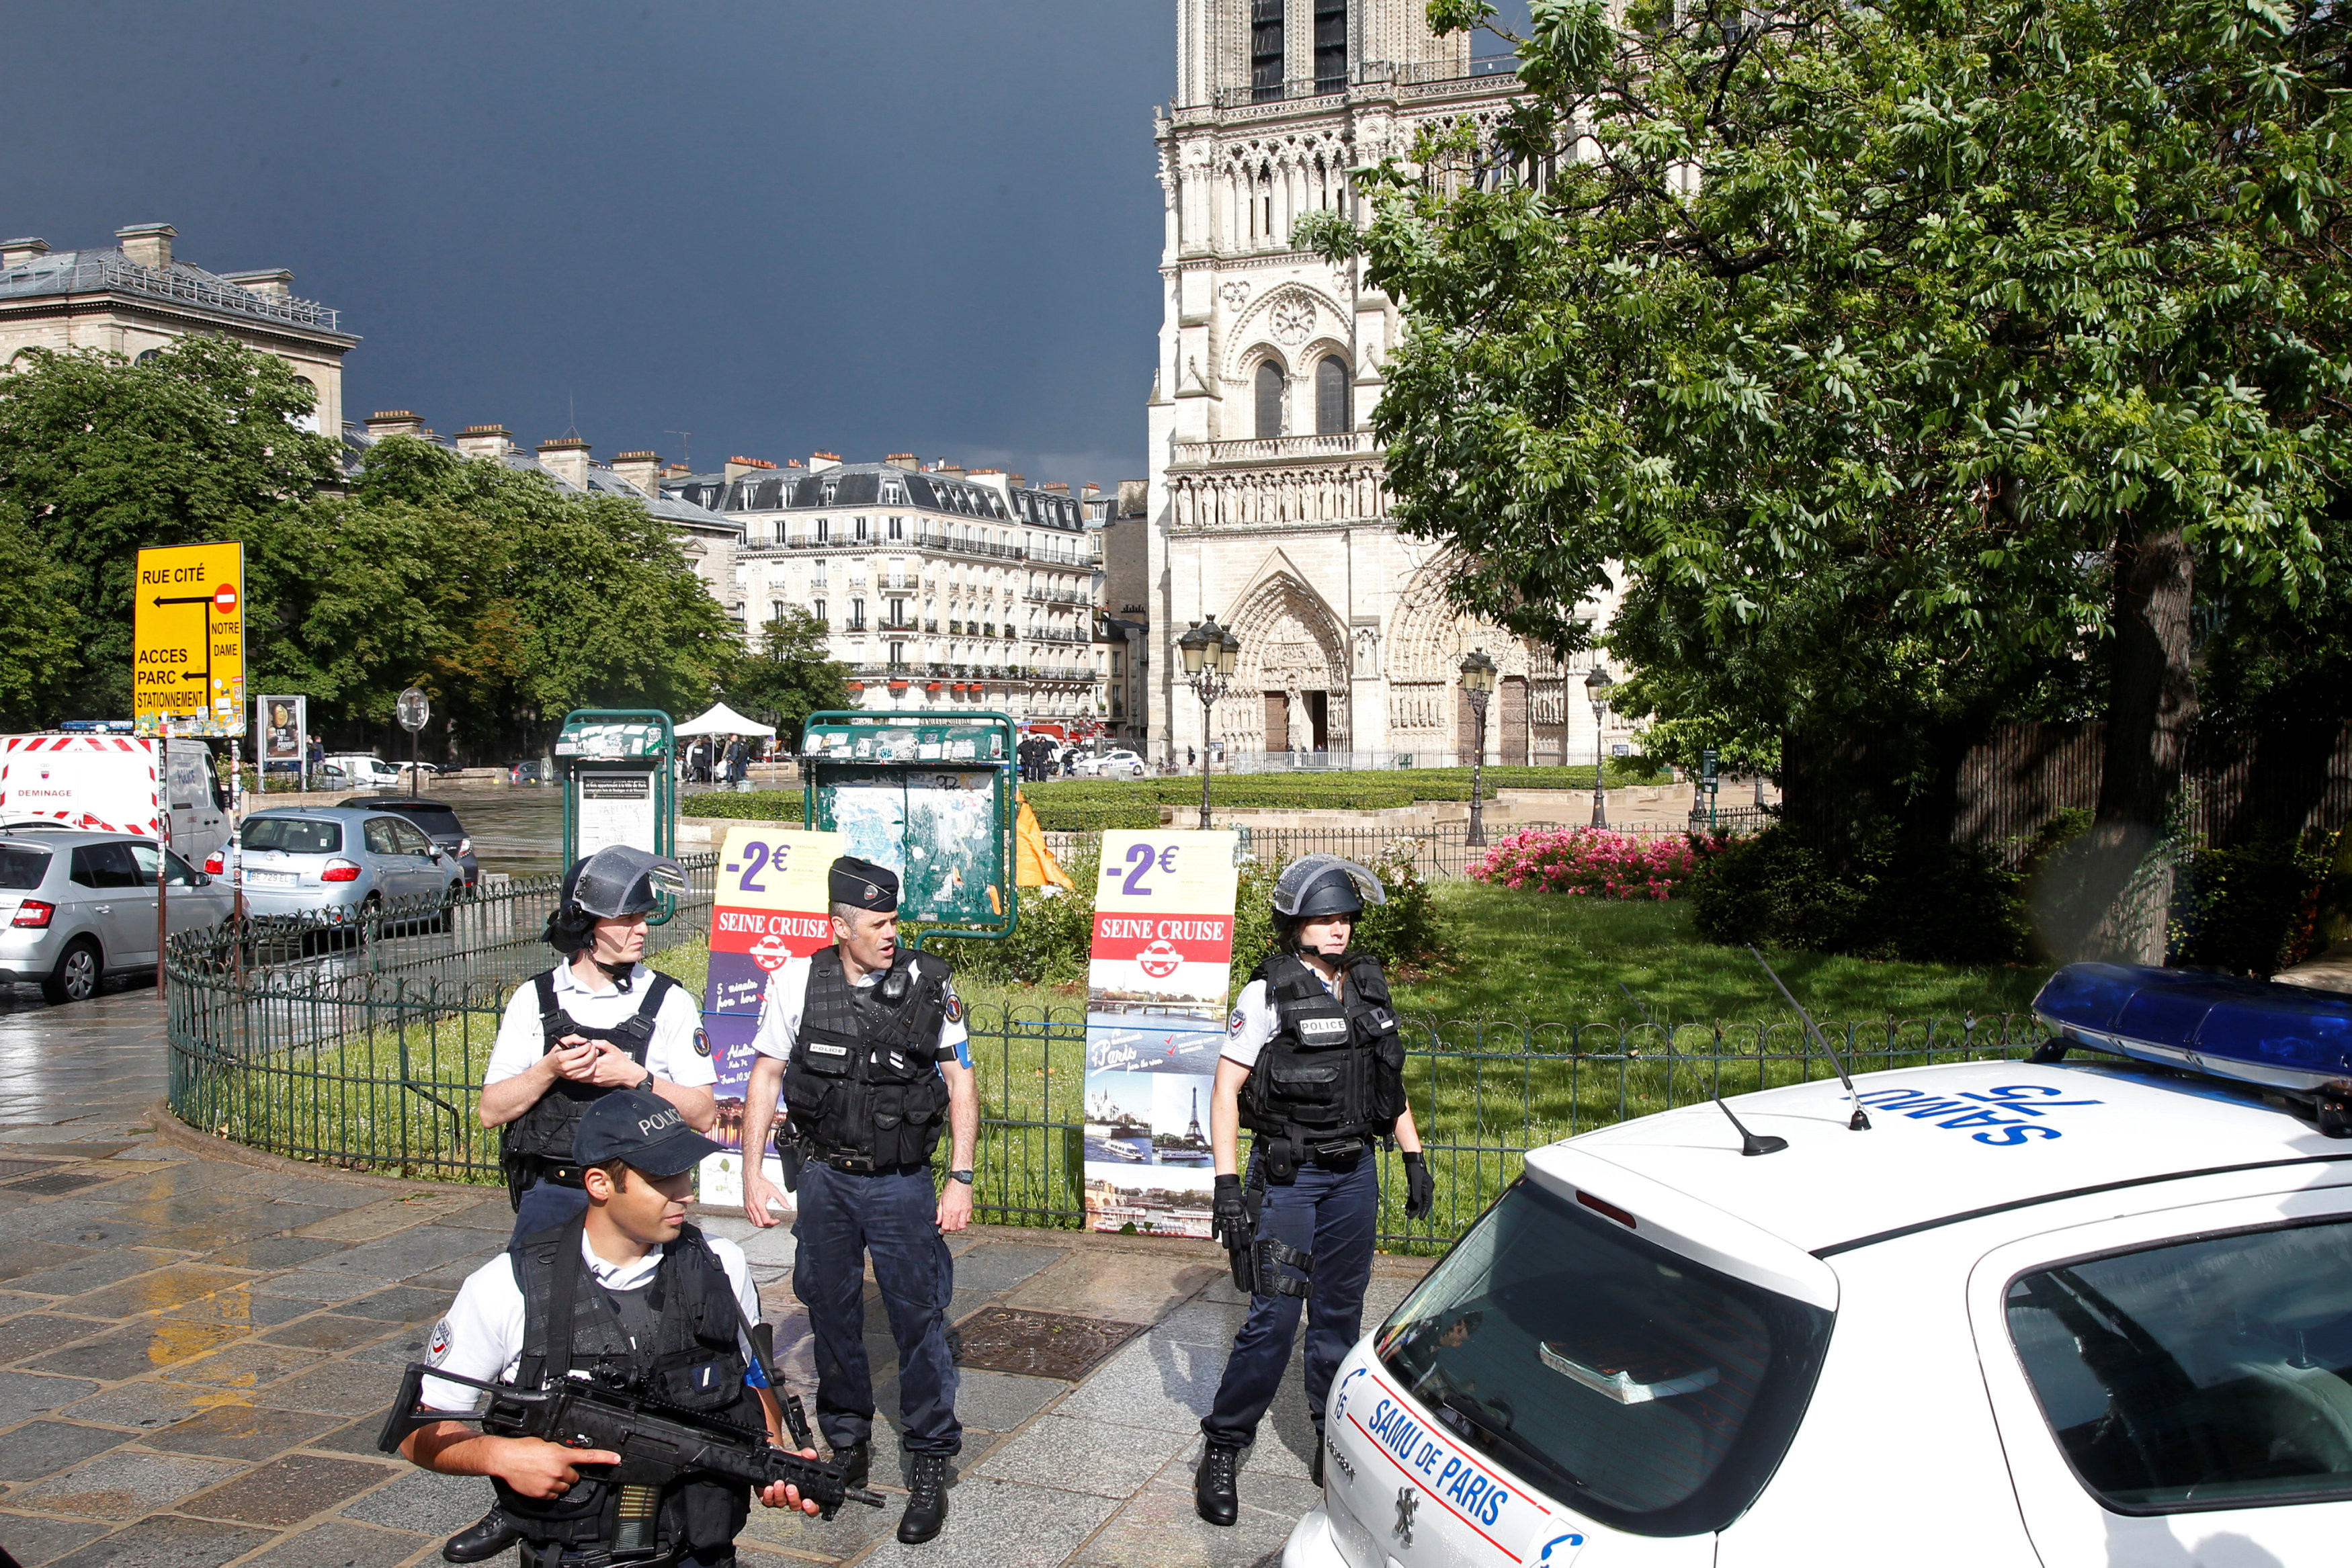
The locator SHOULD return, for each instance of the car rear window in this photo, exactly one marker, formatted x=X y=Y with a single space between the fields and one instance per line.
x=438 y=821
x=22 y=867
x=2215 y=1373
x=297 y=835
x=1642 y=1389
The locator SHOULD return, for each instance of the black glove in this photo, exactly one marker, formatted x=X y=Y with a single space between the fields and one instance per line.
x=1420 y=1188
x=1229 y=1221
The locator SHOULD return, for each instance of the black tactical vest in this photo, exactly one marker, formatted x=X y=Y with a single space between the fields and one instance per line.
x=543 y=1133
x=1334 y=1071
x=863 y=1085
x=686 y=1353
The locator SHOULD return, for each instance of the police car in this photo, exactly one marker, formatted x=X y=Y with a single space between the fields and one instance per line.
x=2090 y=1308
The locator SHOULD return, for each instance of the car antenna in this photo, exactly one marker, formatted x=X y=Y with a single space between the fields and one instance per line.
x=1749 y=1143
x=1861 y=1123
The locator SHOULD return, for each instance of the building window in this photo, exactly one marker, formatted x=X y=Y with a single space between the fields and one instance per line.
x=1331 y=396
x=898 y=656
x=816 y=608
x=828 y=493
x=1269 y=399
x=858 y=615
x=861 y=527
x=816 y=577
x=147 y=354
x=897 y=528
x=824 y=529
x=1330 y=45
x=895 y=611
x=1266 y=49
x=776 y=609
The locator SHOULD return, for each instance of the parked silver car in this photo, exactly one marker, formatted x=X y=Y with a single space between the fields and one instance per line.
x=80 y=906
x=313 y=859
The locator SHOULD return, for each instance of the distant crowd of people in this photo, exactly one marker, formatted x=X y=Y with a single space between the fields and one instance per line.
x=1043 y=756
x=717 y=759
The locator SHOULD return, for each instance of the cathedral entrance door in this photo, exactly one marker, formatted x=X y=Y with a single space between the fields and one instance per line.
x=1277 y=721
x=1319 y=718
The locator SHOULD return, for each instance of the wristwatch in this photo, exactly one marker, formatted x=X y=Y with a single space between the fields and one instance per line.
x=963 y=1176
x=647 y=1086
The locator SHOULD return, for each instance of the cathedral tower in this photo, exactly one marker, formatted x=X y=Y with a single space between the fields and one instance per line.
x=1267 y=496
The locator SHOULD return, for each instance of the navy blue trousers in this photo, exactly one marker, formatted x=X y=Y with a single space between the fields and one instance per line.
x=545 y=1206
x=843 y=1219
x=1331 y=1214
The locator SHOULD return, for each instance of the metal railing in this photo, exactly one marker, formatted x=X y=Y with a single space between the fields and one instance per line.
x=91 y=271
x=359 y=1039
x=380 y=1068
x=1370 y=74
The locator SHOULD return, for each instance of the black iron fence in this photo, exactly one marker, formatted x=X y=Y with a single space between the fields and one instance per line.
x=362 y=1045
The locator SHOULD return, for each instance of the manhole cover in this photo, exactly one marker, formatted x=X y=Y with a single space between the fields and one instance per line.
x=61 y=1181
x=1040 y=1345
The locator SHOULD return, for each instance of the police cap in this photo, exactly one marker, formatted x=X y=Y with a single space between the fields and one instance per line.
x=862 y=885
x=642 y=1129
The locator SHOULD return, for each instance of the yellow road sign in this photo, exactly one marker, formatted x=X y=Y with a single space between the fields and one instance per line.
x=187 y=624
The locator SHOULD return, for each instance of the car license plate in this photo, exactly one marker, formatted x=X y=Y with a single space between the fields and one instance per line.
x=270 y=879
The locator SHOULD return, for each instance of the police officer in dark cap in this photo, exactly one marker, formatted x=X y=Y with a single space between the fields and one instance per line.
x=625 y=1291
x=597 y=1023
x=866 y=1041
x=1314 y=1066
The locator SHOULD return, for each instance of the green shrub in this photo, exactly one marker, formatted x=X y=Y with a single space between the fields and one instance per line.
x=1898 y=897
x=2250 y=909
x=758 y=806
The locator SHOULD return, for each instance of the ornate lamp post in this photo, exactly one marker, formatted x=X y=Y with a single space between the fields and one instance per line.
x=1478 y=684
x=1210 y=653
x=1596 y=687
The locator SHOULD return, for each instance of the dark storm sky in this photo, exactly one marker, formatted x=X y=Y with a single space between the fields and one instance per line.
x=927 y=225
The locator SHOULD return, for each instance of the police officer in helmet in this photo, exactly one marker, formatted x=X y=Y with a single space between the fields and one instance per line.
x=866 y=1041
x=596 y=1023
x=1314 y=1066
x=624 y=1290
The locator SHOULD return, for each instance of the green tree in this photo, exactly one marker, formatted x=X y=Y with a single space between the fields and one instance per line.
x=790 y=676
x=40 y=629
x=1917 y=362
x=100 y=456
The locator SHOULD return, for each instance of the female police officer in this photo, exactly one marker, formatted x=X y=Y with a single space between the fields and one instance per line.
x=1314 y=1066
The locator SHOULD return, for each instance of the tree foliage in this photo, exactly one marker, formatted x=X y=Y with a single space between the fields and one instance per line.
x=1913 y=361
x=507 y=599
x=790 y=677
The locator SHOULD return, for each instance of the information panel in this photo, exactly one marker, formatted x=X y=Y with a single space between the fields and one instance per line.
x=1156 y=984
x=187 y=633
x=769 y=906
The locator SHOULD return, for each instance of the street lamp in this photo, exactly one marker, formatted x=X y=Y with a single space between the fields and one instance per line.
x=1479 y=685
x=1210 y=652
x=1596 y=687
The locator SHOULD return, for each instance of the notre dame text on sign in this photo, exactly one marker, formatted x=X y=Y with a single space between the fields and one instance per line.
x=188 y=663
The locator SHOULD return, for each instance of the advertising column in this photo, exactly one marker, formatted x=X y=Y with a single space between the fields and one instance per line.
x=769 y=906
x=1156 y=985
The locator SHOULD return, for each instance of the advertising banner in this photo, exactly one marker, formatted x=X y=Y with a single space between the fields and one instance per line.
x=1156 y=983
x=769 y=906
x=280 y=726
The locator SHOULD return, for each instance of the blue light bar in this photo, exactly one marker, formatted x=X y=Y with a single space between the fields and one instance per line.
x=2250 y=1031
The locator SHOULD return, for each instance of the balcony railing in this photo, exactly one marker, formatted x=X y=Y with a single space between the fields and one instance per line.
x=1276 y=449
x=1371 y=74
x=93 y=271
x=970 y=546
x=1056 y=596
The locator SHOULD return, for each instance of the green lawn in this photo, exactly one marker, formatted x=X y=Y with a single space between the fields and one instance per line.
x=1547 y=958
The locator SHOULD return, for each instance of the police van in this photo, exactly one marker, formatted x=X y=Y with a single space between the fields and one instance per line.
x=2094 y=1307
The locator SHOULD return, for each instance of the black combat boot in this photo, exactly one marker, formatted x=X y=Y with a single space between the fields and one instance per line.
x=1216 y=1490
x=485 y=1540
x=856 y=1463
x=926 y=1500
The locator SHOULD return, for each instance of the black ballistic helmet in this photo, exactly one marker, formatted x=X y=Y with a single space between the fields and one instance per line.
x=1317 y=886
x=616 y=882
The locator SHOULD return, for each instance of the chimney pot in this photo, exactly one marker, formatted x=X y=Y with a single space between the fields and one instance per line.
x=739 y=467
x=276 y=282
x=904 y=460
x=566 y=457
x=148 y=245
x=642 y=469
x=386 y=422
x=13 y=251
x=820 y=462
x=491 y=441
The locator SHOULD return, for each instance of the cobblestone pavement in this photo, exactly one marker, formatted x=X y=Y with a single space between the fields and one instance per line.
x=196 y=1353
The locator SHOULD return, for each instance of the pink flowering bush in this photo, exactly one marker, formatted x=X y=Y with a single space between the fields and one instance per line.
x=1594 y=861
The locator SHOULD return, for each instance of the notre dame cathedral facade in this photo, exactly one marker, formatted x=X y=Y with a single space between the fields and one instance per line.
x=1266 y=493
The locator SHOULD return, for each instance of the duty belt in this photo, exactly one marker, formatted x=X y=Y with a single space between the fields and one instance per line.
x=859 y=1164
x=556 y=1172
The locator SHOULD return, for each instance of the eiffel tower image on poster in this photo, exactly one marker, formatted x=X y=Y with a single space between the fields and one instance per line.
x=1193 y=1133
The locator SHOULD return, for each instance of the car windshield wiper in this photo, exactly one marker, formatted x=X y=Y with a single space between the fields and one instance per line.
x=1476 y=1412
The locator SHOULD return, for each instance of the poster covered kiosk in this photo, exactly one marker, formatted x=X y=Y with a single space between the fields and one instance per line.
x=619 y=787
x=931 y=797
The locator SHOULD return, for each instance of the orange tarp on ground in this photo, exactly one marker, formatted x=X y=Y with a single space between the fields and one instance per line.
x=1034 y=864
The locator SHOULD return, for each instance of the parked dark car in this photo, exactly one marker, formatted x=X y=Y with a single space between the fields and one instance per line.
x=531 y=771
x=437 y=818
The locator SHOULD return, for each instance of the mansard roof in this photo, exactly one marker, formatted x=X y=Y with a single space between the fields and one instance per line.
x=601 y=481
x=854 y=485
x=66 y=272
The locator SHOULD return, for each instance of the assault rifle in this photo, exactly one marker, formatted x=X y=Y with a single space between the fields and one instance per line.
x=658 y=1442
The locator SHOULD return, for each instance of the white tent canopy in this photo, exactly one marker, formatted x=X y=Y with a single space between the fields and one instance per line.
x=724 y=720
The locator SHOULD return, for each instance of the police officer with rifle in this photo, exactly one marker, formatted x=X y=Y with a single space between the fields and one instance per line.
x=866 y=1041
x=598 y=1022
x=630 y=1414
x=1314 y=1066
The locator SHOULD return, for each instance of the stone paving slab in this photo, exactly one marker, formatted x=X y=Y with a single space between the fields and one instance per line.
x=197 y=1344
